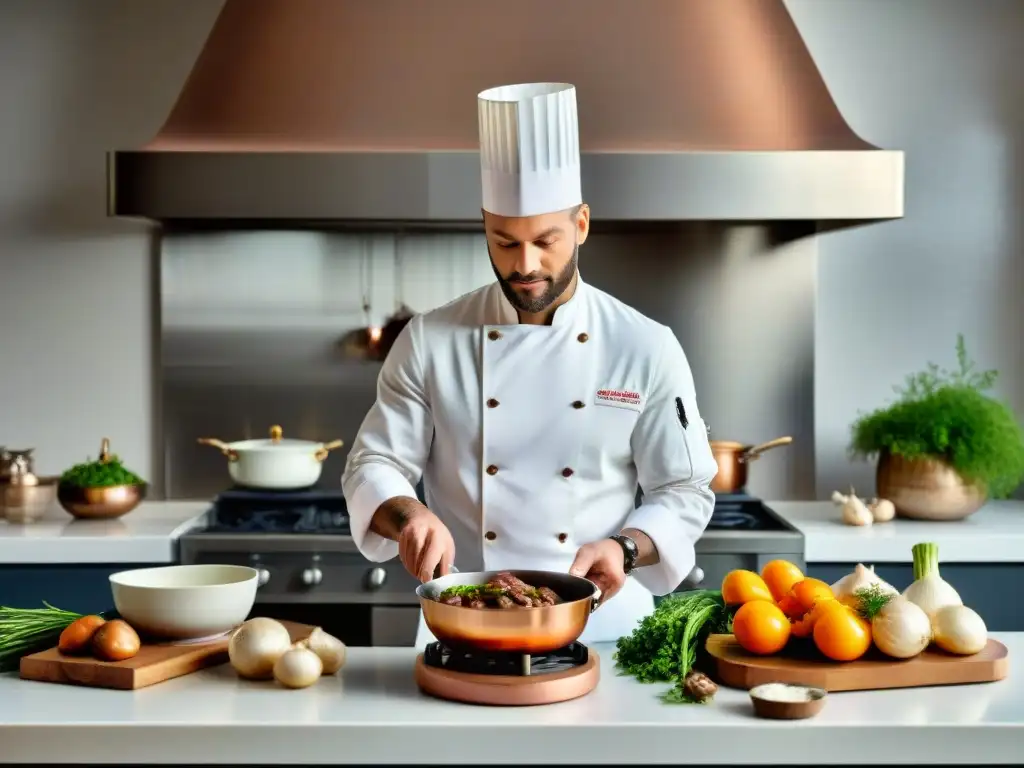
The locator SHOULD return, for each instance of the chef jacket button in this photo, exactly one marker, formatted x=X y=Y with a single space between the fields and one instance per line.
x=492 y=470
x=492 y=403
x=567 y=472
x=490 y=535
x=582 y=338
x=562 y=537
x=494 y=335
x=577 y=404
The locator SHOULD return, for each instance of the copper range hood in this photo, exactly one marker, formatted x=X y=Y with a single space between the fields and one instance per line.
x=365 y=110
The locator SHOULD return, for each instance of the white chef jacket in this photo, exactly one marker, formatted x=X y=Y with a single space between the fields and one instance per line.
x=531 y=441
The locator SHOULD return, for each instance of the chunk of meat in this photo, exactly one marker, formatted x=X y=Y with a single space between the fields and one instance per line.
x=476 y=603
x=455 y=600
x=503 y=601
x=547 y=596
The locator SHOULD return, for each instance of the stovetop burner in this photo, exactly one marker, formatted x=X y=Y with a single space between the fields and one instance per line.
x=241 y=510
x=740 y=512
x=507 y=664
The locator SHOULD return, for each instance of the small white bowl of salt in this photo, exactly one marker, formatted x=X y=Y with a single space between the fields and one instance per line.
x=785 y=701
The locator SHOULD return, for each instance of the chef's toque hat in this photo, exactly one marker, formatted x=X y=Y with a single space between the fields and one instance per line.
x=529 y=149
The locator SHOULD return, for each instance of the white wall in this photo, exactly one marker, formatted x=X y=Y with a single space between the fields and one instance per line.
x=932 y=77
x=76 y=79
x=939 y=79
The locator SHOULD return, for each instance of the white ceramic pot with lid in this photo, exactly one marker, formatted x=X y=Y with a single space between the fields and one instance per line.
x=274 y=463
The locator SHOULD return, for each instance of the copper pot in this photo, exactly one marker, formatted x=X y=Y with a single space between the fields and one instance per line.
x=733 y=458
x=926 y=488
x=513 y=630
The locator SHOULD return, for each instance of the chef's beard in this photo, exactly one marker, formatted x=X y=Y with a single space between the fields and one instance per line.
x=556 y=285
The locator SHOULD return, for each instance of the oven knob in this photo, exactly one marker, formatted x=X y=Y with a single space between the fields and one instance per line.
x=376 y=577
x=262 y=577
x=312 y=576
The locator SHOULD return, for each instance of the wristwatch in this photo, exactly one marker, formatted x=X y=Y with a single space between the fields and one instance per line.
x=630 y=551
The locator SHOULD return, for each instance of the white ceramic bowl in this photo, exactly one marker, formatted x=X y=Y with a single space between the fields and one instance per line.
x=185 y=602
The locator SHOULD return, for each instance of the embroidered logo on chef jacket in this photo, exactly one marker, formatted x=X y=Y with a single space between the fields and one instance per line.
x=619 y=398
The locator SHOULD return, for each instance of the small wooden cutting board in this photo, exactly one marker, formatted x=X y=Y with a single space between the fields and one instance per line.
x=154 y=663
x=737 y=668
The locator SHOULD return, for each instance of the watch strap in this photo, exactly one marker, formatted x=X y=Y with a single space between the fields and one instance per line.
x=630 y=551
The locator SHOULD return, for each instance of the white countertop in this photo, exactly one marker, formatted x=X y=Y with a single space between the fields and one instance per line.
x=147 y=534
x=373 y=713
x=993 y=534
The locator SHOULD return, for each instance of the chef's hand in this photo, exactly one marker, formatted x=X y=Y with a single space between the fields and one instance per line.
x=425 y=544
x=602 y=563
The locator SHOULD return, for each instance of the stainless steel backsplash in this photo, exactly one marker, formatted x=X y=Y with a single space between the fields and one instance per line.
x=251 y=324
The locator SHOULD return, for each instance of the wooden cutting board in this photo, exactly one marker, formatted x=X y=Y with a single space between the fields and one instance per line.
x=154 y=663
x=737 y=668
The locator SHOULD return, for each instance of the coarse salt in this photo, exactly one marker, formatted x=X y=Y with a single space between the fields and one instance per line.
x=782 y=692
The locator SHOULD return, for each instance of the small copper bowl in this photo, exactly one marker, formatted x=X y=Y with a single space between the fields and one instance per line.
x=100 y=503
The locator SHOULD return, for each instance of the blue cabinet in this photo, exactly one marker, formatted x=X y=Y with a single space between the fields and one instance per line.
x=78 y=588
x=992 y=589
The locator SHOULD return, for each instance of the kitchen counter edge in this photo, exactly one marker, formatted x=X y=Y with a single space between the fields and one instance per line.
x=372 y=713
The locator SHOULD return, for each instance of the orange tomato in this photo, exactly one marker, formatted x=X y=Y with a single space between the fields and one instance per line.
x=803 y=626
x=740 y=587
x=780 y=576
x=803 y=595
x=760 y=627
x=841 y=634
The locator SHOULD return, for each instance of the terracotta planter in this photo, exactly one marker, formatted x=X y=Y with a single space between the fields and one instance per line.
x=926 y=489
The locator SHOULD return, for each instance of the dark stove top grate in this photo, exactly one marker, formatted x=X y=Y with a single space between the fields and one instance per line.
x=509 y=664
x=241 y=510
x=740 y=512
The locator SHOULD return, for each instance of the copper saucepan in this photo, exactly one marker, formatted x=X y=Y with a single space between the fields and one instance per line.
x=512 y=630
x=733 y=459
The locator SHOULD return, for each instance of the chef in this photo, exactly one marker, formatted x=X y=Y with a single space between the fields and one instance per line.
x=533 y=407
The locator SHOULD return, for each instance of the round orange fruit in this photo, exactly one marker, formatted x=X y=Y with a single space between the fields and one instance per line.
x=740 y=587
x=841 y=634
x=780 y=576
x=802 y=596
x=761 y=627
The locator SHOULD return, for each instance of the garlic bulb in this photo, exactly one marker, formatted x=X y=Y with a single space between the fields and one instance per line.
x=861 y=578
x=882 y=510
x=256 y=646
x=854 y=510
x=298 y=667
x=331 y=650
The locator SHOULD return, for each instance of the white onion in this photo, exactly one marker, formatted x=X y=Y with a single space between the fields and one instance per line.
x=256 y=646
x=298 y=667
x=901 y=629
x=960 y=630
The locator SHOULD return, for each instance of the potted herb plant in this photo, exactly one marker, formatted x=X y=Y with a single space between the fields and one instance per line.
x=944 y=446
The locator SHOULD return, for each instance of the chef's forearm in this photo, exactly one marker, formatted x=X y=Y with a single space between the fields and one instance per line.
x=392 y=515
x=647 y=552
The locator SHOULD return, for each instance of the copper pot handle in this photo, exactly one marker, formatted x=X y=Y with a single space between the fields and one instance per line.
x=752 y=453
x=597 y=598
x=326 y=448
x=220 y=445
